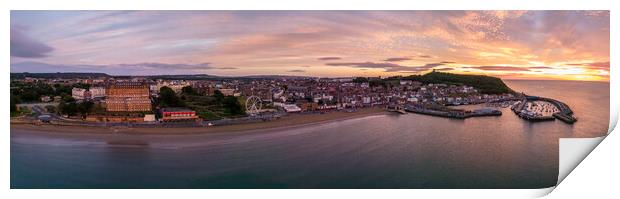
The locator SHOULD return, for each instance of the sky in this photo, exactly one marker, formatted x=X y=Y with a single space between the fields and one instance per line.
x=565 y=45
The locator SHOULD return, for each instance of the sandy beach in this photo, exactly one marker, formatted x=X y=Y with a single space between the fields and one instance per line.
x=290 y=121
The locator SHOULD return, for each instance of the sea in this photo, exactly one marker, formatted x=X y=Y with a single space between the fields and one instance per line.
x=381 y=151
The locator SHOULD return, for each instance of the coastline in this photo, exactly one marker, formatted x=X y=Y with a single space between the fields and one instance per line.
x=290 y=121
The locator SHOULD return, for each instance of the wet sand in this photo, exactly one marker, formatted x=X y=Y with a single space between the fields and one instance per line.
x=290 y=121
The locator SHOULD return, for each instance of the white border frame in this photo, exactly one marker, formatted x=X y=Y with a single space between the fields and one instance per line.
x=573 y=185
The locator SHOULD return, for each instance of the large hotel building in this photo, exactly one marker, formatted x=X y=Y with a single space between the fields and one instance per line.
x=128 y=97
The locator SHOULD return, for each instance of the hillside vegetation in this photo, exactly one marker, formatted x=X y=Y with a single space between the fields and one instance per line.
x=485 y=84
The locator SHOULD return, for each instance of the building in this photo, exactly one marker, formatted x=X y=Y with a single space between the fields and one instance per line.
x=128 y=97
x=307 y=106
x=178 y=114
x=80 y=94
x=46 y=98
x=291 y=108
x=149 y=117
x=97 y=92
x=227 y=91
x=176 y=86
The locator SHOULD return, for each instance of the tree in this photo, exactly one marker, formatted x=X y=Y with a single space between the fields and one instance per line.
x=168 y=98
x=61 y=90
x=68 y=108
x=85 y=107
x=232 y=105
x=14 y=101
x=188 y=90
x=360 y=80
x=50 y=108
x=219 y=96
x=81 y=85
x=98 y=109
x=68 y=98
x=30 y=95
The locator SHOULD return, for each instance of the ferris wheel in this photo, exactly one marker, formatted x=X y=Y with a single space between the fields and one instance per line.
x=253 y=104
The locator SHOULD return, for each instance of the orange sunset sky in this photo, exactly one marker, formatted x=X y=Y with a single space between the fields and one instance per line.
x=567 y=45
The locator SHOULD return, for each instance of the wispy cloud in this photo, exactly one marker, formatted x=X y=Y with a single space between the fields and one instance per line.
x=226 y=68
x=329 y=58
x=256 y=41
x=25 y=46
x=500 y=68
x=296 y=71
x=397 y=59
x=593 y=65
x=115 y=69
x=389 y=67
x=166 y=66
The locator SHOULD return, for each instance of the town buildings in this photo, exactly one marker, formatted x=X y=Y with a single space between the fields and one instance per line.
x=128 y=97
x=80 y=94
x=97 y=92
x=178 y=114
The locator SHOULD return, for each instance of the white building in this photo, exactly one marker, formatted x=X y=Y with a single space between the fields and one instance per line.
x=291 y=108
x=366 y=100
x=227 y=91
x=97 y=92
x=154 y=89
x=176 y=86
x=80 y=93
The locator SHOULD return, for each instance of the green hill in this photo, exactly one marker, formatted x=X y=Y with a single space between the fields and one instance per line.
x=485 y=84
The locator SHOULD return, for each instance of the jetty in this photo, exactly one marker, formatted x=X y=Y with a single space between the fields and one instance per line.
x=453 y=113
x=396 y=109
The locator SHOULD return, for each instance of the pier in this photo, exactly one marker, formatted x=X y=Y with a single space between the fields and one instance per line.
x=453 y=113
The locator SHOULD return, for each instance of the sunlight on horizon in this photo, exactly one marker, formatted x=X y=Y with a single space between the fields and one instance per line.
x=552 y=45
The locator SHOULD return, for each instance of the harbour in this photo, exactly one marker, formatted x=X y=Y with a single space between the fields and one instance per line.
x=378 y=151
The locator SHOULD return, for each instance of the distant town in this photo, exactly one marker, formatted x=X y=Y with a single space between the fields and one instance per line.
x=95 y=99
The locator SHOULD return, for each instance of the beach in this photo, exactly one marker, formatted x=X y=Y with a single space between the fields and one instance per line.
x=289 y=121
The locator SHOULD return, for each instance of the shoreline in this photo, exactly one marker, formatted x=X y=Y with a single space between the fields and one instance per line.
x=288 y=122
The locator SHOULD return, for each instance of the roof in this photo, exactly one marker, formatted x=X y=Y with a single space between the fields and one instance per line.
x=45 y=117
x=176 y=109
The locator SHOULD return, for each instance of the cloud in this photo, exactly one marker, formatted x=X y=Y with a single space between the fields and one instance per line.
x=254 y=41
x=500 y=68
x=296 y=71
x=26 y=47
x=539 y=67
x=593 y=65
x=396 y=59
x=114 y=69
x=389 y=67
x=365 y=64
x=226 y=68
x=444 y=69
x=447 y=62
x=329 y=58
x=167 y=66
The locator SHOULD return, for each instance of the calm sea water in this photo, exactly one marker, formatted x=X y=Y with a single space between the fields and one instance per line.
x=388 y=151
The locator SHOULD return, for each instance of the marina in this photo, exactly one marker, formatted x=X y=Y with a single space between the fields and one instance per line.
x=535 y=108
